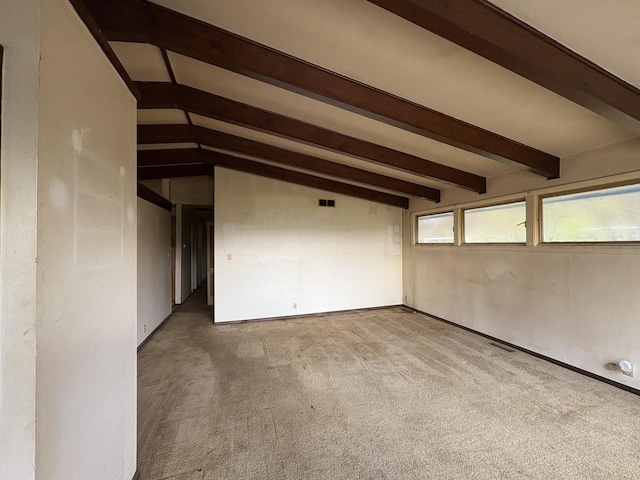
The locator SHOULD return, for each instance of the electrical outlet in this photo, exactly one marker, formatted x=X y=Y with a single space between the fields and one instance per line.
x=229 y=256
x=295 y=305
x=145 y=328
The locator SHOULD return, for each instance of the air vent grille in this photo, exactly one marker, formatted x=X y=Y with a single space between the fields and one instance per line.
x=323 y=202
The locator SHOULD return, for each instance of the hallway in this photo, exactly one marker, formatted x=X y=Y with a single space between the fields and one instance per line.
x=375 y=394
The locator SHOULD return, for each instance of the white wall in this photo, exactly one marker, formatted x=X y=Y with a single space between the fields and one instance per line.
x=576 y=304
x=284 y=249
x=154 y=267
x=20 y=37
x=191 y=190
x=184 y=190
x=86 y=291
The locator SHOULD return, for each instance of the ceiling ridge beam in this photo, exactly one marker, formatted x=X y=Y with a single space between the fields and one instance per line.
x=87 y=18
x=168 y=95
x=217 y=159
x=149 y=195
x=150 y=134
x=488 y=31
x=168 y=157
x=193 y=38
x=270 y=171
x=174 y=171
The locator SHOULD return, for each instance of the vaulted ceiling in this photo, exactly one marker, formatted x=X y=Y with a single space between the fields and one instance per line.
x=379 y=99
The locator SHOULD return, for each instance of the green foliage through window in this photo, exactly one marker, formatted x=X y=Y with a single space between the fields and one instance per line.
x=436 y=228
x=607 y=215
x=496 y=224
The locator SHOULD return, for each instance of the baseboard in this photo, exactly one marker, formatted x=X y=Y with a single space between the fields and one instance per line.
x=144 y=342
x=307 y=315
x=136 y=476
x=586 y=373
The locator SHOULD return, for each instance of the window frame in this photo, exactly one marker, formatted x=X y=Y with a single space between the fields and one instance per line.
x=533 y=200
x=592 y=188
x=417 y=217
x=463 y=222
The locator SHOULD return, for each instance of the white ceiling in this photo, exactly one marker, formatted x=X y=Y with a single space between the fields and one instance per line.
x=607 y=32
x=366 y=43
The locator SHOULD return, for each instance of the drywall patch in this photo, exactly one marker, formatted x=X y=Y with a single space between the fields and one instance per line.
x=76 y=139
x=499 y=270
x=58 y=193
x=99 y=207
x=394 y=240
x=228 y=235
x=131 y=214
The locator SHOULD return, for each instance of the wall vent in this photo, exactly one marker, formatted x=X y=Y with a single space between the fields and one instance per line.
x=322 y=202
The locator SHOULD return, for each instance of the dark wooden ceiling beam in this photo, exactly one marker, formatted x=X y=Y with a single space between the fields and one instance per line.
x=85 y=15
x=166 y=133
x=282 y=174
x=486 y=30
x=124 y=20
x=211 y=159
x=174 y=171
x=168 y=95
x=150 y=134
x=169 y=156
x=149 y=195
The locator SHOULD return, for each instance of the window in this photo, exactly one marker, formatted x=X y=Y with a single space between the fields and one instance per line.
x=436 y=228
x=496 y=224
x=607 y=215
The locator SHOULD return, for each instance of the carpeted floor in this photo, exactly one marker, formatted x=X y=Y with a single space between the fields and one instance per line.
x=379 y=394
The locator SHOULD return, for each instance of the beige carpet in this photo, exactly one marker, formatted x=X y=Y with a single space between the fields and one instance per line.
x=381 y=394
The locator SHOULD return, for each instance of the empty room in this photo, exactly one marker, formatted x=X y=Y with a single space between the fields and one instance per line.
x=301 y=239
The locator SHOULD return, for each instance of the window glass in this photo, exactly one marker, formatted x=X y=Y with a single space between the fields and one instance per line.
x=497 y=224
x=608 y=215
x=436 y=228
